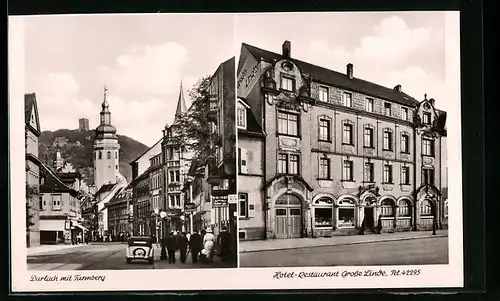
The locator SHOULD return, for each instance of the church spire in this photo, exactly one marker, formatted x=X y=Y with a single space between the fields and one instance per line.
x=181 y=104
x=105 y=113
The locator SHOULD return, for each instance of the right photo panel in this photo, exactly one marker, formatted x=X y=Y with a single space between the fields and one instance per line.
x=342 y=139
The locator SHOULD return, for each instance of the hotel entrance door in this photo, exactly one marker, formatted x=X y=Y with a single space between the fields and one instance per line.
x=288 y=214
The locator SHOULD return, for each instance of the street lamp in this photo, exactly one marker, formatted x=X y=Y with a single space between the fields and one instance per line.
x=156 y=214
x=163 y=255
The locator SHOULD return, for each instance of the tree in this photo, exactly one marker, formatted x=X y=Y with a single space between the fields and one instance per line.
x=192 y=131
x=31 y=193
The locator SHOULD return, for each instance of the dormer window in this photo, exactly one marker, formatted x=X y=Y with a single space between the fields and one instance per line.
x=347 y=99
x=387 y=109
x=242 y=118
x=287 y=83
x=426 y=118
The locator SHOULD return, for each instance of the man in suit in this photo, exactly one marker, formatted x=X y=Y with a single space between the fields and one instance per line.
x=171 y=247
x=195 y=246
x=182 y=244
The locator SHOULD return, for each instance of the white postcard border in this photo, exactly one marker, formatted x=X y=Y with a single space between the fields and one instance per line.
x=430 y=276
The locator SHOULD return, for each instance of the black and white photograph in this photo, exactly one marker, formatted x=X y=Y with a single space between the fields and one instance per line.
x=130 y=142
x=342 y=139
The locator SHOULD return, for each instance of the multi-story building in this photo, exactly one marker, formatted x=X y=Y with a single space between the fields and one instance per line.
x=175 y=168
x=32 y=132
x=155 y=173
x=339 y=153
x=221 y=174
x=119 y=219
x=60 y=214
x=197 y=205
x=141 y=205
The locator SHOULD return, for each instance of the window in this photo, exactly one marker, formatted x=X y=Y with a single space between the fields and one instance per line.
x=347 y=99
x=427 y=147
x=369 y=105
x=368 y=137
x=404 y=208
x=347 y=171
x=323 y=94
x=428 y=176
x=41 y=203
x=387 y=173
x=386 y=208
x=243 y=160
x=347 y=134
x=405 y=175
x=387 y=109
x=282 y=163
x=243 y=205
x=177 y=176
x=56 y=202
x=294 y=164
x=404 y=113
x=405 y=143
x=425 y=208
x=324 y=168
x=116 y=155
x=100 y=155
x=242 y=122
x=287 y=83
x=387 y=140
x=324 y=129
x=172 y=200
x=323 y=217
x=368 y=172
x=109 y=155
x=172 y=176
x=427 y=118
x=346 y=217
x=116 y=167
x=288 y=124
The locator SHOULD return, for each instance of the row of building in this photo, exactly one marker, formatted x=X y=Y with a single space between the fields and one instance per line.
x=323 y=153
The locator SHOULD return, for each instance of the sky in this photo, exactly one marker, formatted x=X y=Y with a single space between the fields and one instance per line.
x=140 y=58
x=143 y=58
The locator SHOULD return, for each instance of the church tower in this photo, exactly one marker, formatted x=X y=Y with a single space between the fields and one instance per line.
x=106 y=149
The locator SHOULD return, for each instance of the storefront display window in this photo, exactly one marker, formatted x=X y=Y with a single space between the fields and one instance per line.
x=386 y=208
x=346 y=217
x=323 y=217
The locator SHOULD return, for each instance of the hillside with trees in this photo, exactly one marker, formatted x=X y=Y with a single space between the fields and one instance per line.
x=76 y=147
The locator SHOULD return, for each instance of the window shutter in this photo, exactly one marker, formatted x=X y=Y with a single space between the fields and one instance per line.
x=244 y=161
x=251 y=206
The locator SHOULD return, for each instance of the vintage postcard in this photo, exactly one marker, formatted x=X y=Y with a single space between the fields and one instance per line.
x=274 y=151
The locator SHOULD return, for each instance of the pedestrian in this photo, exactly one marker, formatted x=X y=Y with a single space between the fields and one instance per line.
x=224 y=241
x=182 y=244
x=171 y=247
x=195 y=246
x=363 y=227
x=208 y=245
x=203 y=232
x=379 y=225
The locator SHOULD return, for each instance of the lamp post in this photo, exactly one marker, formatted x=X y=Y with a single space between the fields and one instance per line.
x=156 y=214
x=163 y=255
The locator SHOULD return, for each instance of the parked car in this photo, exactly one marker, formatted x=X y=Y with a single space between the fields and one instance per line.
x=140 y=248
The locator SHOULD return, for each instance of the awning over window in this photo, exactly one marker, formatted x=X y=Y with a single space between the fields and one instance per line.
x=81 y=227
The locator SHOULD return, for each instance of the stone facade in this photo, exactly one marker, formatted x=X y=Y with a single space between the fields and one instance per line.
x=340 y=154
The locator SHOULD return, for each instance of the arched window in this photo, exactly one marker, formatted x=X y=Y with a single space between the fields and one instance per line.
x=116 y=155
x=100 y=155
x=387 y=208
x=346 y=213
x=323 y=213
x=288 y=199
x=404 y=208
x=109 y=155
x=425 y=208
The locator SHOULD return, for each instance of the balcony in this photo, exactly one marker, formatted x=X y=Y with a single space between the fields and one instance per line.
x=173 y=163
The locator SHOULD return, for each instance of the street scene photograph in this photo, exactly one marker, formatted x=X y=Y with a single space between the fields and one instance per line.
x=342 y=139
x=130 y=142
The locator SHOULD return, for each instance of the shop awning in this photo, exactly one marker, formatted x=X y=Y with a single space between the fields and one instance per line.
x=81 y=227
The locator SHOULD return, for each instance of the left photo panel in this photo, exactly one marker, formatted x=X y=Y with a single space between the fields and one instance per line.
x=129 y=143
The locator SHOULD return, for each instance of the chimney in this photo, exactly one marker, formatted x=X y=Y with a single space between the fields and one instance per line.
x=287 y=49
x=349 y=71
x=398 y=88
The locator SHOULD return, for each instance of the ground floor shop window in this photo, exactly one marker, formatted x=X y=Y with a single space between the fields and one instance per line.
x=386 y=208
x=346 y=217
x=425 y=208
x=404 y=208
x=323 y=217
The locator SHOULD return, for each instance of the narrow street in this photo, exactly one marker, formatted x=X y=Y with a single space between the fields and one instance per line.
x=106 y=256
x=405 y=252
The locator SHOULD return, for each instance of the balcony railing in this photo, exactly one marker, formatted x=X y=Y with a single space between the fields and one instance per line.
x=213 y=107
x=173 y=163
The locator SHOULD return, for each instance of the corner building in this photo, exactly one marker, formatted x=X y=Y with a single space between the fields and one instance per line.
x=336 y=153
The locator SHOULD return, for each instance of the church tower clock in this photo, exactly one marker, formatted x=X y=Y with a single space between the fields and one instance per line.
x=106 y=149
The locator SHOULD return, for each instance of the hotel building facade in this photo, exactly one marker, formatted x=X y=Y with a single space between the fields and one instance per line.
x=323 y=153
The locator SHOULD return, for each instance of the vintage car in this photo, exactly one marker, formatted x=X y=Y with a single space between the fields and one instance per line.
x=140 y=248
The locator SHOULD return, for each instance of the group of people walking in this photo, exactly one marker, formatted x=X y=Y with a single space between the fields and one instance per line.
x=202 y=246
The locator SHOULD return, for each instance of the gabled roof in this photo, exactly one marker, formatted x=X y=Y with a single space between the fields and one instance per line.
x=146 y=151
x=253 y=128
x=336 y=79
x=52 y=183
x=30 y=105
x=105 y=188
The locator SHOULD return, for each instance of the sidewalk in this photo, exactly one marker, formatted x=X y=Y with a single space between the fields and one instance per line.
x=50 y=248
x=283 y=244
x=163 y=264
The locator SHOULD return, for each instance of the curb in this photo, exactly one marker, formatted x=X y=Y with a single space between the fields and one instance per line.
x=53 y=250
x=347 y=243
